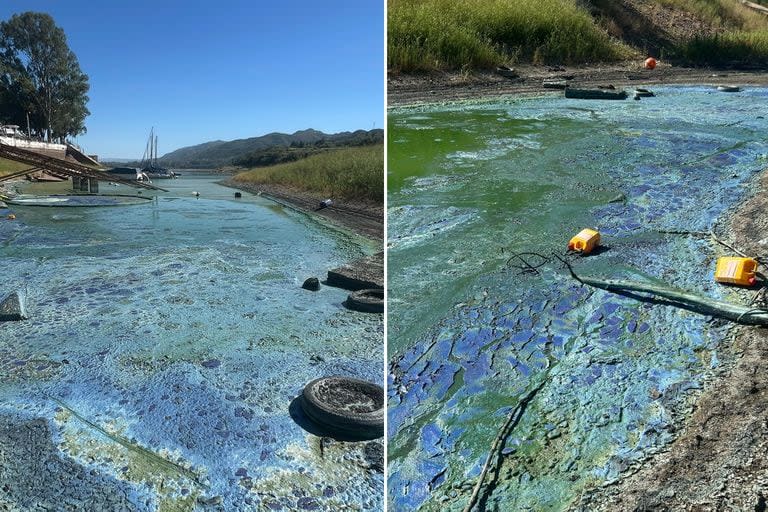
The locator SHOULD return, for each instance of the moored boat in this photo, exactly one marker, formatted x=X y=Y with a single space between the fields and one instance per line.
x=149 y=168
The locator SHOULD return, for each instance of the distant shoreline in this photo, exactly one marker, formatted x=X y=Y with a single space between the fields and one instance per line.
x=363 y=218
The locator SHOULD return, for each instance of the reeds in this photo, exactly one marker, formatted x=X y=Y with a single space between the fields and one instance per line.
x=348 y=173
x=428 y=35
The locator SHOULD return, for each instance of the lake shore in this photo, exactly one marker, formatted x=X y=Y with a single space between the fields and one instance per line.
x=440 y=87
x=364 y=218
x=714 y=461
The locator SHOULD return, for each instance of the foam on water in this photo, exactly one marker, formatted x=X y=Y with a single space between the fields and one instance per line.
x=182 y=327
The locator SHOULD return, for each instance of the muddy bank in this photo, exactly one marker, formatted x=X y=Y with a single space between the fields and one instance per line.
x=441 y=87
x=717 y=461
x=363 y=218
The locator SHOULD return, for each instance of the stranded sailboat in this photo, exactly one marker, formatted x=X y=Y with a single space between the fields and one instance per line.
x=149 y=168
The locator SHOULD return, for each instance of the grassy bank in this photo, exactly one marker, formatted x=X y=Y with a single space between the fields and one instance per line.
x=350 y=173
x=739 y=36
x=10 y=166
x=724 y=14
x=728 y=48
x=443 y=34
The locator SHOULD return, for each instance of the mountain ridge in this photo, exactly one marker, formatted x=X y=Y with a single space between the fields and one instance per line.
x=220 y=153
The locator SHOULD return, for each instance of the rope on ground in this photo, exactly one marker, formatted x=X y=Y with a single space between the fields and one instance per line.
x=481 y=492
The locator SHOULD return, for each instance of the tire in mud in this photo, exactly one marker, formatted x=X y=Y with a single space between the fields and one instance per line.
x=367 y=301
x=350 y=407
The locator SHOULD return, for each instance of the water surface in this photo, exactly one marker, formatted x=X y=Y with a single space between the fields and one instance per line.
x=470 y=334
x=179 y=328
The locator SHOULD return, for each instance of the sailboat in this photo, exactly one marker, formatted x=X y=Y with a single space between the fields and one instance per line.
x=149 y=168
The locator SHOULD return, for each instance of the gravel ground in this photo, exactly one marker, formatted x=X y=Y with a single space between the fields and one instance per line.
x=363 y=218
x=403 y=90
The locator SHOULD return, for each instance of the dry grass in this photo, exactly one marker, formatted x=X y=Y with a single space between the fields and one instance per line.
x=737 y=48
x=722 y=14
x=349 y=173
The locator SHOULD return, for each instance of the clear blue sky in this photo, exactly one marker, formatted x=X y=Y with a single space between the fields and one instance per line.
x=221 y=70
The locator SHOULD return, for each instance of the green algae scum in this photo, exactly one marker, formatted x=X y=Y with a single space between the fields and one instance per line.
x=566 y=386
x=166 y=343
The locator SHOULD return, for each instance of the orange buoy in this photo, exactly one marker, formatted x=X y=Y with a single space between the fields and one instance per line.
x=650 y=63
x=11 y=216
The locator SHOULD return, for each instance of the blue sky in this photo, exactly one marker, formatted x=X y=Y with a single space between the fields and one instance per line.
x=223 y=70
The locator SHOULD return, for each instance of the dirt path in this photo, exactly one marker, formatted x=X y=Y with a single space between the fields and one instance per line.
x=363 y=218
x=405 y=90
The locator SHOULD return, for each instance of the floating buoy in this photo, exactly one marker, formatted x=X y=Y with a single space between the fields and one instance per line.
x=650 y=63
x=196 y=194
x=585 y=242
x=238 y=194
x=733 y=270
x=728 y=88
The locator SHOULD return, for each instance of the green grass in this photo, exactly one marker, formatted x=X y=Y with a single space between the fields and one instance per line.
x=349 y=173
x=428 y=35
x=10 y=166
x=728 y=48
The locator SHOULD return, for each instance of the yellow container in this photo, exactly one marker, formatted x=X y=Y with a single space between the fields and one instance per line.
x=734 y=270
x=585 y=242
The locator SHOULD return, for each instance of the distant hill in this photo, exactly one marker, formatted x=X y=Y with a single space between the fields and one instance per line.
x=239 y=152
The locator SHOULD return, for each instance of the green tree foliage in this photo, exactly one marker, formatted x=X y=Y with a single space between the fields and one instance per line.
x=41 y=76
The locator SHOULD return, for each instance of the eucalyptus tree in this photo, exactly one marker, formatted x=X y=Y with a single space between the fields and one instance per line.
x=40 y=77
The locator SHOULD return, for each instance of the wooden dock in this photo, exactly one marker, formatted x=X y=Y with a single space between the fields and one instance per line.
x=84 y=178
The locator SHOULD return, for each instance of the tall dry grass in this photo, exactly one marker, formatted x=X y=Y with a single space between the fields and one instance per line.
x=349 y=173
x=723 y=14
x=736 y=48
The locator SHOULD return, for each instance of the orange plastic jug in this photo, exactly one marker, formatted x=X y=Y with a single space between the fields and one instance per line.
x=585 y=242
x=734 y=270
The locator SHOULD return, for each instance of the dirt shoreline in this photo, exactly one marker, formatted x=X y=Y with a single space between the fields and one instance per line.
x=364 y=218
x=717 y=461
x=442 y=87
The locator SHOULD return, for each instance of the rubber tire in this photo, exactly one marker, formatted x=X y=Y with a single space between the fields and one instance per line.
x=367 y=301
x=644 y=93
x=367 y=425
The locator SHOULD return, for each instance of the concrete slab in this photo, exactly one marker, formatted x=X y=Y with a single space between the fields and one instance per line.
x=360 y=274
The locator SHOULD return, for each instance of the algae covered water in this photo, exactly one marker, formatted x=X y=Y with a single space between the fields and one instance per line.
x=595 y=380
x=164 y=347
